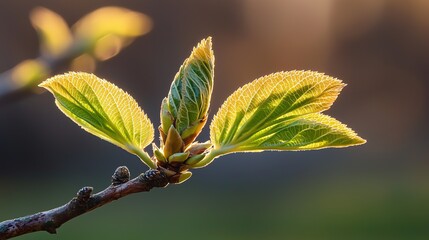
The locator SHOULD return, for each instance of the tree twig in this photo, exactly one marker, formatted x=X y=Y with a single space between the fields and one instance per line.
x=84 y=202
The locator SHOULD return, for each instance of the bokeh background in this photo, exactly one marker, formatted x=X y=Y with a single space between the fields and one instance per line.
x=380 y=190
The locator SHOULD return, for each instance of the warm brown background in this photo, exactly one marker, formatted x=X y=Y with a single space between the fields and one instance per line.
x=380 y=48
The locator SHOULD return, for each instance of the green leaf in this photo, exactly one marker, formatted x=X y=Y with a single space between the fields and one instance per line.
x=308 y=132
x=103 y=109
x=277 y=112
x=190 y=92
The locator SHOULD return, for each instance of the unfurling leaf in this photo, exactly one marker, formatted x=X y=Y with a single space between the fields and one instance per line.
x=189 y=98
x=280 y=112
x=104 y=110
x=184 y=114
x=54 y=33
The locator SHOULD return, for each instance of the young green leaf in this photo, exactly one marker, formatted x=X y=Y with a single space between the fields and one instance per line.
x=276 y=112
x=189 y=97
x=103 y=109
x=307 y=132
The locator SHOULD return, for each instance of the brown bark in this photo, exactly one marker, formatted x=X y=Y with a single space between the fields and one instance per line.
x=84 y=202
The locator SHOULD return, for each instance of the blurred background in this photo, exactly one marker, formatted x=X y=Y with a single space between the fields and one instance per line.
x=380 y=190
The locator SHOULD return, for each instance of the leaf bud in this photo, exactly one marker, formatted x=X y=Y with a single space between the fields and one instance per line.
x=178 y=157
x=195 y=159
x=190 y=133
x=180 y=177
x=158 y=154
x=173 y=143
x=198 y=148
x=166 y=117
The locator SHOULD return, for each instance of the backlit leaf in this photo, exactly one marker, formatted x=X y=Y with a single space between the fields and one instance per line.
x=308 y=132
x=265 y=114
x=190 y=93
x=102 y=109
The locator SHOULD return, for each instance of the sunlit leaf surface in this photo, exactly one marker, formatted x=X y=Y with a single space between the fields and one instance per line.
x=280 y=112
x=102 y=109
x=190 y=93
x=308 y=132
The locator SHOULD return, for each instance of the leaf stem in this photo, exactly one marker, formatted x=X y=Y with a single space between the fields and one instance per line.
x=144 y=157
x=212 y=155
